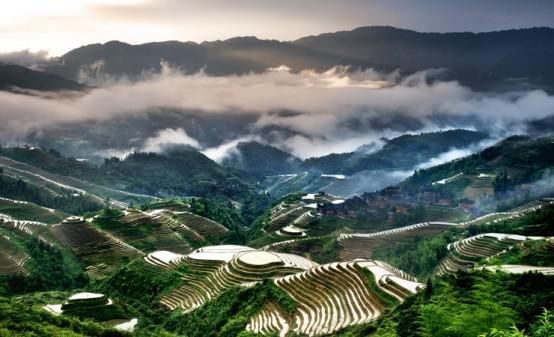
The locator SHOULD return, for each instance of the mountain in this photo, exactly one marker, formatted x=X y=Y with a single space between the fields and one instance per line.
x=13 y=77
x=233 y=56
x=259 y=160
x=178 y=172
x=492 y=57
x=150 y=264
x=521 y=159
x=401 y=153
x=492 y=60
x=371 y=167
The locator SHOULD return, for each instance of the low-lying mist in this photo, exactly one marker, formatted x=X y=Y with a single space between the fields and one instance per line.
x=307 y=113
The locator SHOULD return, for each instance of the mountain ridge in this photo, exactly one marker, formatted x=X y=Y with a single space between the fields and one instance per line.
x=469 y=57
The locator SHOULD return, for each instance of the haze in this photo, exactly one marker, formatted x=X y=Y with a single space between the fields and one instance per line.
x=59 y=25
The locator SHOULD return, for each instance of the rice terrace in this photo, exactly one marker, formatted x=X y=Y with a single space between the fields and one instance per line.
x=309 y=168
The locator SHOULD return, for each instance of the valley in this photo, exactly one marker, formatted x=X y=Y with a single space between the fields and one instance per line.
x=309 y=168
x=314 y=264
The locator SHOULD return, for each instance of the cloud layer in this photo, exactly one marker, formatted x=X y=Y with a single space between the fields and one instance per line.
x=307 y=113
x=25 y=58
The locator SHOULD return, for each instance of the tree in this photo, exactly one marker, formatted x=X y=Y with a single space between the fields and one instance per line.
x=107 y=203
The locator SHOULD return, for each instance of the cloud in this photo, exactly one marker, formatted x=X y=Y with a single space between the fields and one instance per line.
x=219 y=153
x=168 y=137
x=308 y=113
x=25 y=58
x=456 y=153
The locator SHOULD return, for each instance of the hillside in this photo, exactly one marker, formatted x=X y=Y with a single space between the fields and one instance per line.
x=371 y=167
x=483 y=60
x=401 y=153
x=14 y=77
x=177 y=172
x=210 y=276
x=140 y=176
x=25 y=185
x=253 y=161
x=511 y=172
x=240 y=291
x=476 y=59
x=24 y=210
x=255 y=180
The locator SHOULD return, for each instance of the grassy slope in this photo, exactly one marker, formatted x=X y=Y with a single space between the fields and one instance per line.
x=31 y=211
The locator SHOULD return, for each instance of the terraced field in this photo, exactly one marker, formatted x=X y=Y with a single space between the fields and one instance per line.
x=361 y=245
x=300 y=213
x=59 y=184
x=280 y=244
x=294 y=219
x=12 y=259
x=216 y=268
x=285 y=214
x=502 y=216
x=202 y=226
x=96 y=248
x=329 y=297
x=29 y=211
x=521 y=269
x=269 y=320
x=480 y=186
x=465 y=254
x=150 y=231
x=336 y=295
x=22 y=226
x=93 y=306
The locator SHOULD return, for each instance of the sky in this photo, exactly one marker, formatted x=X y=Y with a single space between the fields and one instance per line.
x=57 y=26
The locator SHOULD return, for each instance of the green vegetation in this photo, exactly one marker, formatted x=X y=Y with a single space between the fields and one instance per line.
x=109 y=213
x=254 y=161
x=535 y=253
x=539 y=223
x=18 y=319
x=226 y=214
x=513 y=162
x=419 y=255
x=403 y=152
x=544 y=327
x=66 y=201
x=228 y=315
x=321 y=249
x=139 y=286
x=467 y=305
x=141 y=236
x=472 y=304
x=99 y=310
x=48 y=269
x=30 y=211
x=180 y=171
x=387 y=299
x=416 y=255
